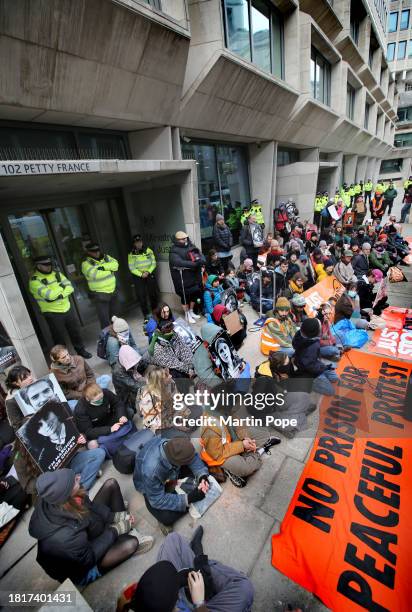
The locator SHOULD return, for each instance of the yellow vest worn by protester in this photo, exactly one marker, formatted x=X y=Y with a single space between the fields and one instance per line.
x=141 y=262
x=104 y=280
x=256 y=210
x=47 y=289
x=368 y=186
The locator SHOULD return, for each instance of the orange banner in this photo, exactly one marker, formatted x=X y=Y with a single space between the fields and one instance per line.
x=396 y=317
x=392 y=342
x=321 y=292
x=346 y=534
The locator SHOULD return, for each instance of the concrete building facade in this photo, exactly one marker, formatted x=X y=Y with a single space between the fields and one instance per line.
x=126 y=116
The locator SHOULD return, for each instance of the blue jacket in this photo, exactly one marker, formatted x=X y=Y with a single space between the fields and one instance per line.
x=212 y=296
x=153 y=469
x=113 y=348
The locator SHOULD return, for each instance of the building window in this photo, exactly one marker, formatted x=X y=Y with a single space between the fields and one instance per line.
x=391 y=165
x=410 y=49
x=405 y=114
x=354 y=31
x=390 y=53
x=403 y=140
x=254 y=30
x=393 y=22
x=223 y=185
x=408 y=86
x=367 y=112
x=404 y=25
x=350 y=101
x=287 y=156
x=320 y=71
x=401 y=49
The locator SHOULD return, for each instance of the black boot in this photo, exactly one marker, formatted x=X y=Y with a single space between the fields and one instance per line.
x=83 y=353
x=272 y=441
x=196 y=541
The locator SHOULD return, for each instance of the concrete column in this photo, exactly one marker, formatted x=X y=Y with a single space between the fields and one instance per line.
x=360 y=102
x=262 y=172
x=349 y=169
x=385 y=81
x=292 y=44
x=155 y=143
x=364 y=38
x=376 y=64
x=176 y=148
x=370 y=169
x=361 y=169
x=16 y=319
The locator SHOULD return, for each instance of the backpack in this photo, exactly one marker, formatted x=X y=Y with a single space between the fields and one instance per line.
x=102 y=343
x=194 y=255
x=125 y=456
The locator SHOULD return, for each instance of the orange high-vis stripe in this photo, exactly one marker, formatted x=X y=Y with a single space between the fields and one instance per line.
x=267 y=342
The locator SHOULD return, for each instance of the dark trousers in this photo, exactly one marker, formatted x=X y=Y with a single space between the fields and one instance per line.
x=107 y=305
x=316 y=218
x=62 y=323
x=166 y=517
x=388 y=204
x=147 y=293
x=367 y=196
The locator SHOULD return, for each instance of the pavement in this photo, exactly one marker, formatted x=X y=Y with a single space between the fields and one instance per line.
x=238 y=527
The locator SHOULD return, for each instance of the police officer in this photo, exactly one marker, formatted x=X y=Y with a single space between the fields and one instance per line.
x=358 y=189
x=99 y=270
x=379 y=187
x=51 y=290
x=142 y=264
x=318 y=208
x=351 y=193
x=256 y=211
x=368 y=186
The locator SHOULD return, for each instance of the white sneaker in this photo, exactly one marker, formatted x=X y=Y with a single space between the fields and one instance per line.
x=189 y=318
x=193 y=315
x=145 y=541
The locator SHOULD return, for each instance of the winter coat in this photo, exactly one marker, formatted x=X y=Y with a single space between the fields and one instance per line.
x=343 y=308
x=382 y=263
x=95 y=421
x=282 y=331
x=293 y=269
x=212 y=440
x=222 y=237
x=211 y=297
x=307 y=355
x=202 y=364
x=13 y=411
x=68 y=547
x=246 y=240
x=74 y=377
x=326 y=336
x=214 y=267
x=173 y=354
x=282 y=281
x=153 y=469
x=390 y=194
x=360 y=265
x=125 y=385
x=113 y=347
x=344 y=273
x=191 y=274
x=320 y=272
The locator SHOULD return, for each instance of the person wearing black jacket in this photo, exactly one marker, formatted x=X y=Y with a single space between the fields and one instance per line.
x=251 y=238
x=185 y=263
x=99 y=412
x=223 y=239
x=214 y=264
x=78 y=538
x=365 y=289
x=360 y=263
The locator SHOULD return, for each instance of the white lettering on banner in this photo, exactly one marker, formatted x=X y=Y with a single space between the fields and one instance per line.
x=396 y=342
x=52 y=167
x=314 y=300
x=388 y=340
x=405 y=343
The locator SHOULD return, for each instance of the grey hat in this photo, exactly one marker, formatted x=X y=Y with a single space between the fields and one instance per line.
x=119 y=325
x=219 y=217
x=56 y=487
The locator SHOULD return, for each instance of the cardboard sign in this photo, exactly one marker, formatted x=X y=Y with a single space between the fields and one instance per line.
x=320 y=293
x=346 y=534
x=392 y=342
x=50 y=436
x=232 y=322
x=31 y=398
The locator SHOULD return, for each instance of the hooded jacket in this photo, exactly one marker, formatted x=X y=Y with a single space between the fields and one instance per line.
x=202 y=364
x=282 y=281
x=191 y=275
x=95 y=421
x=307 y=359
x=382 y=263
x=74 y=377
x=127 y=383
x=212 y=296
x=223 y=238
x=173 y=353
x=69 y=547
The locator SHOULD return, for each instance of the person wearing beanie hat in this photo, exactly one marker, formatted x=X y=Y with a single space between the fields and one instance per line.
x=279 y=328
x=100 y=413
x=343 y=270
x=223 y=241
x=379 y=258
x=365 y=289
x=119 y=334
x=298 y=309
x=324 y=269
x=214 y=587
x=128 y=376
x=307 y=357
x=142 y=265
x=78 y=538
x=185 y=264
x=160 y=461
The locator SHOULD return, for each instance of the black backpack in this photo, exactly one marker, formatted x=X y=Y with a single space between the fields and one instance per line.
x=125 y=456
x=102 y=343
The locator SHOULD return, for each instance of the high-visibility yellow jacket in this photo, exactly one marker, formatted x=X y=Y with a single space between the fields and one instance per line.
x=380 y=187
x=256 y=210
x=351 y=192
x=346 y=198
x=357 y=189
x=407 y=183
x=244 y=216
x=368 y=186
x=142 y=262
x=100 y=273
x=51 y=291
x=318 y=204
x=325 y=201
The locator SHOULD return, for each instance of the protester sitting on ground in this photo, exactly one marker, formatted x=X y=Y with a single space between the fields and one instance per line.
x=296 y=285
x=78 y=538
x=379 y=258
x=73 y=373
x=274 y=253
x=211 y=585
x=304 y=268
x=312 y=243
x=366 y=295
x=340 y=236
x=281 y=274
x=306 y=344
x=168 y=350
x=348 y=307
x=87 y=463
x=212 y=295
x=343 y=270
x=238 y=337
x=354 y=247
x=293 y=267
x=214 y=265
x=297 y=311
x=160 y=461
x=329 y=348
x=99 y=413
x=324 y=249
x=324 y=269
x=245 y=273
x=155 y=404
x=235 y=451
x=161 y=315
x=371 y=234
x=360 y=262
x=128 y=376
x=262 y=299
x=279 y=329
x=232 y=281
x=119 y=335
